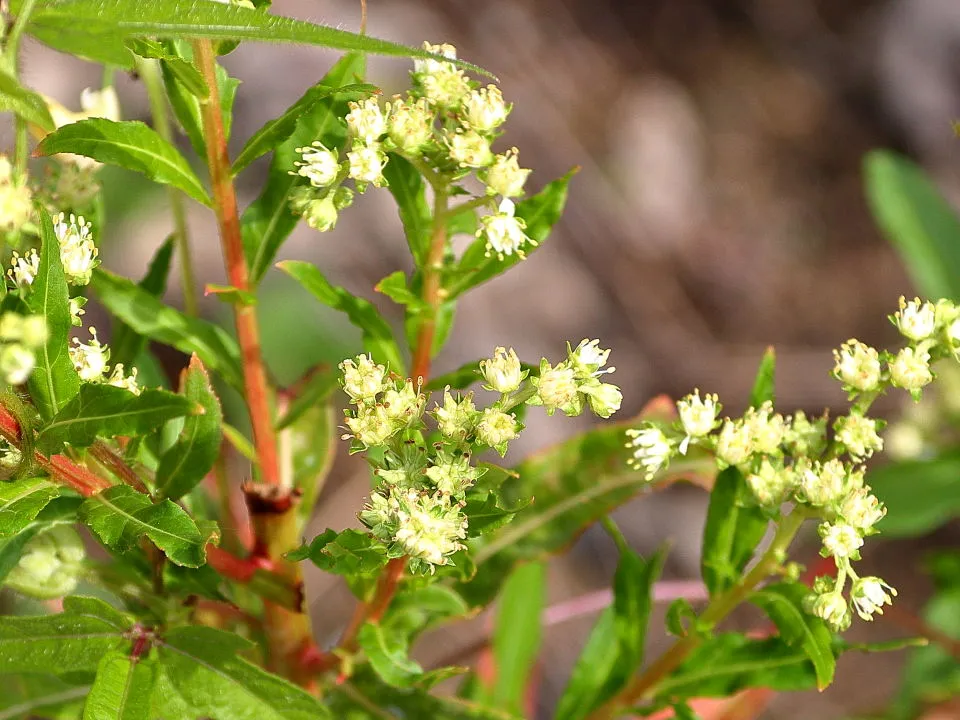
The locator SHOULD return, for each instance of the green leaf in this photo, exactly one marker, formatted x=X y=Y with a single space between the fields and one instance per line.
x=410 y=193
x=54 y=381
x=395 y=287
x=59 y=511
x=387 y=653
x=920 y=495
x=460 y=379
x=783 y=603
x=517 y=636
x=316 y=390
x=377 y=336
x=122 y=689
x=541 y=212
x=129 y=144
x=349 y=552
x=203 y=672
x=268 y=221
x=732 y=532
x=215 y=21
x=150 y=317
x=71 y=641
x=120 y=516
x=574 y=483
x=21 y=501
x=23 y=102
x=192 y=456
x=920 y=223
x=316 y=435
x=126 y=344
x=106 y=411
x=763 y=385
x=276 y=131
x=730 y=662
x=230 y=295
x=31 y=695
x=92 y=40
x=614 y=650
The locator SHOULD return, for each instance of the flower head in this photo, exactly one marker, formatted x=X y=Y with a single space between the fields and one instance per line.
x=604 y=398
x=502 y=372
x=484 y=109
x=858 y=434
x=371 y=425
x=869 y=595
x=505 y=176
x=366 y=121
x=410 y=124
x=429 y=66
x=862 y=510
x=468 y=148
x=77 y=250
x=840 y=540
x=497 y=428
x=362 y=378
x=429 y=527
x=734 y=443
x=771 y=484
x=452 y=474
x=366 y=165
x=90 y=359
x=857 y=365
x=833 y=609
x=404 y=406
x=587 y=358
x=910 y=369
x=24 y=268
x=319 y=212
x=503 y=232
x=698 y=415
x=822 y=484
x=916 y=320
x=458 y=416
x=557 y=389
x=652 y=450
x=319 y=165
x=118 y=378
x=767 y=428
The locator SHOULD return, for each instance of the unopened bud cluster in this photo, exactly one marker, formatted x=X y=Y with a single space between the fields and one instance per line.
x=445 y=125
x=812 y=463
x=20 y=337
x=425 y=478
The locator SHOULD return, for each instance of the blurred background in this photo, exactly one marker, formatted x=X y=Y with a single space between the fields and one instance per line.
x=719 y=208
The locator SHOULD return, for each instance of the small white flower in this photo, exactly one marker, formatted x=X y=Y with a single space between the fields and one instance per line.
x=505 y=176
x=468 y=148
x=556 y=387
x=484 y=110
x=366 y=121
x=869 y=595
x=840 y=540
x=604 y=398
x=652 y=450
x=119 y=379
x=857 y=365
x=502 y=372
x=24 y=268
x=366 y=164
x=735 y=443
x=496 y=428
x=862 y=510
x=363 y=379
x=446 y=87
x=503 y=232
x=453 y=474
x=458 y=416
x=916 y=320
x=77 y=249
x=587 y=359
x=321 y=213
x=430 y=527
x=319 y=165
x=429 y=66
x=698 y=415
x=404 y=406
x=767 y=428
x=805 y=438
x=822 y=484
x=410 y=124
x=371 y=425
x=770 y=485
x=90 y=359
x=832 y=608
x=859 y=435
x=910 y=369
x=16 y=364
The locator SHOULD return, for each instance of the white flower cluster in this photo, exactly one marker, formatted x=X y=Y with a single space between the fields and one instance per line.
x=20 y=337
x=417 y=507
x=16 y=200
x=91 y=360
x=446 y=122
x=78 y=253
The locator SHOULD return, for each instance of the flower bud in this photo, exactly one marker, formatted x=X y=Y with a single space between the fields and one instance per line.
x=404 y=406
x=859 y=435
x=468 y=148
x=804 y=438
x=23 y=269
x=915 y=320
x=857 y=366
x=832 y=608
x=604 y=398
x=503 y=372
x=735 y=443
x=767 y=429
x=770 y=485
x=497 y=428
x=453 y=474
x=910 y=369
x=410 y=125
x=458 y=417
x=484 y=110
x=429 y=527
x=365 y=121
x=429 y=66
x=822 y=484
x=50 y=565
x=505 y=176
x=869 y=595
x=556 y=388
x=362 y=378
x=371 y=425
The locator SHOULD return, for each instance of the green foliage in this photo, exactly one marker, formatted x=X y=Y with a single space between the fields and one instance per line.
x=22 y=102
x=350 y=552
x=21 y=501
x=920 y=495
x=131 y=145
x=122 y=690
x=410 y=193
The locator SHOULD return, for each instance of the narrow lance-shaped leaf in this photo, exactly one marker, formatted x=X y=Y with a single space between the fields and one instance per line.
x=126 y=344
x=409 y=191
x=268 y=221
x=101 y=410
x=192 y=456
x=540 y=212
x=23 y=102
x=387 y=653
x=150 y=317
x=377 y=336
x=122 y=689
x=54 y=380
x=614 y=649
x=21 y=501
x=120 y=516
x=71 y=641
x=129 y=144
x=203 y=674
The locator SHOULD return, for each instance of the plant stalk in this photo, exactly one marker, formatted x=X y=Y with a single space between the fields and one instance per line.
x=644 y=685
x=11 y=57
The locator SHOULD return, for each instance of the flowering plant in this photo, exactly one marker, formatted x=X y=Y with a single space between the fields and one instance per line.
x=200 y=610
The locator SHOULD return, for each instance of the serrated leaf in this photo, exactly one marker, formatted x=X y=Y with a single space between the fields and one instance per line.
x=21 y=501
x=192 y=456
x=349 y=552
x=61 y=510
x=101 y=410
x=129 y=144
x=268 y=221
x=518 y=633
x=387 y=653
x=614 y=650
x=783 y=603
x=410 y=193
x=540 y=212
x=23 y=102
x=279 y=129
x=150 y=317
x=120 y=516
x=71 y=641
x=732 y=531
x=203 y=673
x=54 y=380
x=122 y=689
x=377 y=336
x=126 y=344
x=917 y=220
